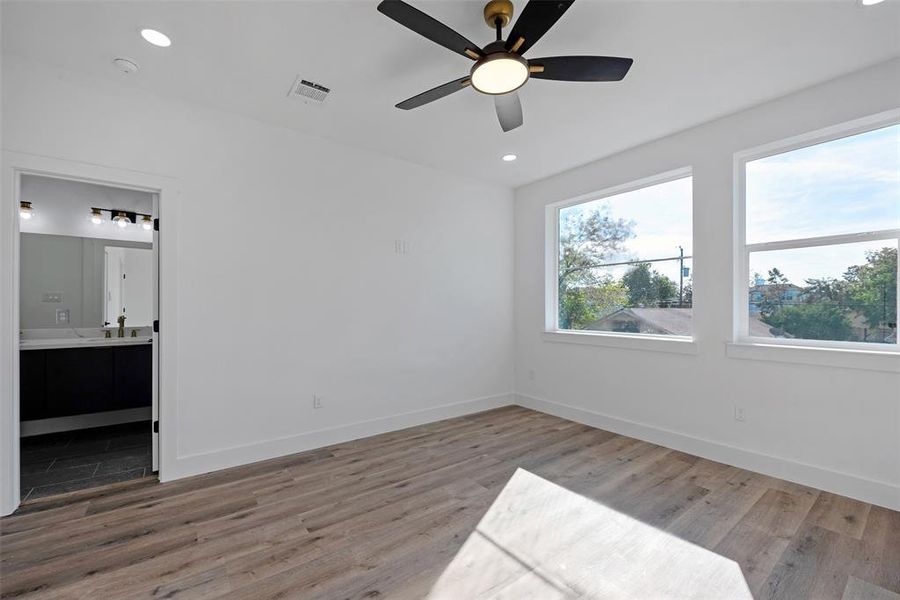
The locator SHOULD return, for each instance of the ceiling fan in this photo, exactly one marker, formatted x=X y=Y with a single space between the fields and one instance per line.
x=500 y=68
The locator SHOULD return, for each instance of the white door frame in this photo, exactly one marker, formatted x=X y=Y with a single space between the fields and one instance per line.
x=164 y=188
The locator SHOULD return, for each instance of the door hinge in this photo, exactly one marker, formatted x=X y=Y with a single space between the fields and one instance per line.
x=156 y=326
x=155 y=426
x=155 y=224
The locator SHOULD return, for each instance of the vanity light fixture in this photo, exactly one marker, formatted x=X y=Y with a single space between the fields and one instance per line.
x=122 y=220
x=26 y=211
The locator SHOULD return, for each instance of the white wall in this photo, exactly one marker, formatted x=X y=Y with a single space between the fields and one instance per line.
x=836 y=428
x=287 y=279
x=54 y=265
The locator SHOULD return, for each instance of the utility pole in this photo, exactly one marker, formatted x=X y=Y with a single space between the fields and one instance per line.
x=680 y=277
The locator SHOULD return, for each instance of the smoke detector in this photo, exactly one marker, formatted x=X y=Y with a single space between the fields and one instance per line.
x=126 y=65
x=309 y=92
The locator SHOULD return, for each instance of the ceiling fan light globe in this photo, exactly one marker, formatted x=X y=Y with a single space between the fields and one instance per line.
x=499 y=73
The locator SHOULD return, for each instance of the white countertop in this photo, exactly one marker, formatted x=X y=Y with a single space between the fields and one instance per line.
x=47 y=339
x=82 y=343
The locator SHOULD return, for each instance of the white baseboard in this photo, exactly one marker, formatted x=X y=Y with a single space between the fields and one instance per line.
x=196 y=464
x=875 y=492
x=111 y=417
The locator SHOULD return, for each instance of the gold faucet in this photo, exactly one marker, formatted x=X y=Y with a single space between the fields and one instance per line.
x=121 y=332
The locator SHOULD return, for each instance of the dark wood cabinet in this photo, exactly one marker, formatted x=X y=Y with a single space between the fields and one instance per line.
x=133 y=377
x=32 y=384
x=74 y=381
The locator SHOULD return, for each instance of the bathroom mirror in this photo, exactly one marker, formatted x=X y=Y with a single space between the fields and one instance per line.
x=79 y=282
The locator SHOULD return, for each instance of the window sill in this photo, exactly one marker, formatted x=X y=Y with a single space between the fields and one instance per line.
x=870 y=360
x=652 y=343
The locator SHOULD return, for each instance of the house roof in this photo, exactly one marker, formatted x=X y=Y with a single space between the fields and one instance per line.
x=674 y=321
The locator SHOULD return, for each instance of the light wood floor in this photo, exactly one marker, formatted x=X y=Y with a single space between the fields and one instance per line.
x=509 y=503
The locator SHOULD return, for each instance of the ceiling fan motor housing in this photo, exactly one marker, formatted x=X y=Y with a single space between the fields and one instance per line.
x=498 y=9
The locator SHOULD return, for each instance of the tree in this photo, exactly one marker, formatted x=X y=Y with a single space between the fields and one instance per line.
x=586 y=240
x=821 y=321
x=826 y=289
x=688 y=293
x=773 y=293
x=872 y=288
x=647 y=287
x=581 y=306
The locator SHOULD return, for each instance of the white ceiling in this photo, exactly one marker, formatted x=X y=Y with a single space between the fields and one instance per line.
x=694 y=61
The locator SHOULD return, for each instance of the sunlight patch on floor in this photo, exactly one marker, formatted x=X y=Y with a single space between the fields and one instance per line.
x=540 y=540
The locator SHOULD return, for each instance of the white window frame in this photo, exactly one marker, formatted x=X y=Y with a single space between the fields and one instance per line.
x=633 y=341
x=859 y=354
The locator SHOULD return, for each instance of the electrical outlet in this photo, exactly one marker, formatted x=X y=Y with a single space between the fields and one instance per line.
x=62 y=316
x=739 y=413
x=317 y=401
x=401 y=247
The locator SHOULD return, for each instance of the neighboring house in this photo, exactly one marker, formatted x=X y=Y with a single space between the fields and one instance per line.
x=666 y=321
x=788 y=293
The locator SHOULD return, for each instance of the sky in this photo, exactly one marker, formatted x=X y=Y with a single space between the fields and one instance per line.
x=848 y=185
x=662 y=221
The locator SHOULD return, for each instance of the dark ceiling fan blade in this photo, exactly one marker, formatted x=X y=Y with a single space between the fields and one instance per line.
x=434 y=93
x=536 y=19
x=580 y=68
x=509 y=110
x=429 y=27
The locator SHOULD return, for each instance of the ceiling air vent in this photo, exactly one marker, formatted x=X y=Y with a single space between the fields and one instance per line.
x=309 y=91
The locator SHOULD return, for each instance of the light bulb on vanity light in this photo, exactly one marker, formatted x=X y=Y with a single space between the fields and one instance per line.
x=146 y=223
x=96 y=216
x=122 y=220
x=25 y=210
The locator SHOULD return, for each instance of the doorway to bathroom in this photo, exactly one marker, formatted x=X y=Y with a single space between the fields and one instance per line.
x=88 y=343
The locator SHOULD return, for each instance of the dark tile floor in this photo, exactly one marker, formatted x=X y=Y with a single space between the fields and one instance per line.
x=74 y=460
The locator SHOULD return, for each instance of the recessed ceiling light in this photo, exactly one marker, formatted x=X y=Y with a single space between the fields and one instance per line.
x=157 y=38
x=509 y=157
x=126 y=65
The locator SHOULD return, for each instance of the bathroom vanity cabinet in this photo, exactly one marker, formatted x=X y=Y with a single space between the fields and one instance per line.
x=62 y=382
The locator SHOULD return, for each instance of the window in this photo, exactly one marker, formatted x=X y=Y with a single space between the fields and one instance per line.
x=623 y=260
x=822 y=226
